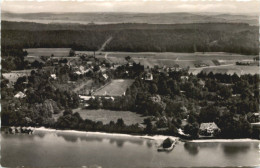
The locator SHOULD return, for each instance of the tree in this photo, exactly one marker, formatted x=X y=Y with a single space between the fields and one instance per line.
x=209 y=114
x=67 y=112
x=149 y=126
x=120 y=122
x=192 y=129
x=153 y=89
x=225 y=92
x=128 y=58
x=37 y=64
x=231 y=128
x=72 y=53
x=20 y=83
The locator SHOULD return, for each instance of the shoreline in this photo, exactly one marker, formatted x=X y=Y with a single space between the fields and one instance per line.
x=151 y=137
x=225 y=140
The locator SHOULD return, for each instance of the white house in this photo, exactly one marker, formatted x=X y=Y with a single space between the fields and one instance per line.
x=20 y=95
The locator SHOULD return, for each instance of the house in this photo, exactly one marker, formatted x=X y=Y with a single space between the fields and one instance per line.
x=184 y=77
x=110 y=98
x=86 y=98
x=208 y=129
x=201 y=83
x=55 y=62
x=77 y=72
x=53 y=76
x=253 y=117
x=148 y=76
x=20 y=95
x=105 y=76
x=89 y=62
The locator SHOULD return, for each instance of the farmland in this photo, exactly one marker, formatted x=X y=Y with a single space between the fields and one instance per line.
x=108 y=115
x=172 y=55
x=115 y=88
x=57 y=52
x=217 y=62
x=239 y=70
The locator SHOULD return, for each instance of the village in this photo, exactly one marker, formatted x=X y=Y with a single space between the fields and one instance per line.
x=101 y=83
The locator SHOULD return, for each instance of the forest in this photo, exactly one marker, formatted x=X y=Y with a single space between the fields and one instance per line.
x=199 y=37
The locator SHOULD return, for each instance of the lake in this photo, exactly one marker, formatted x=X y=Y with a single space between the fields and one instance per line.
x=75 y=149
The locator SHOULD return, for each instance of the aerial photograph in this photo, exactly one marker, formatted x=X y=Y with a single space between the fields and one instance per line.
x=130 y=84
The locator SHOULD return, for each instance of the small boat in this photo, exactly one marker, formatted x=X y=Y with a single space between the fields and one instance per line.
x=167 y=145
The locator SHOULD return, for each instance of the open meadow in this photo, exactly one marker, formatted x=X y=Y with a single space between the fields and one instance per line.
x=108 y=115
x=14 y=75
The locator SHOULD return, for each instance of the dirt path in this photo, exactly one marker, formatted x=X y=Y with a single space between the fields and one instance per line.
x=105 y=43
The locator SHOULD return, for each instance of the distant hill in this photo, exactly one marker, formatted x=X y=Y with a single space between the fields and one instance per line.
x=149 y=18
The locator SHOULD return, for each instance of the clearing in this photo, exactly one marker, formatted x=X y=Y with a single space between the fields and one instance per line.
x=108 y=115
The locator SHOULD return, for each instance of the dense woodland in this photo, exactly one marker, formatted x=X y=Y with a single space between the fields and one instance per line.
x=205 y=37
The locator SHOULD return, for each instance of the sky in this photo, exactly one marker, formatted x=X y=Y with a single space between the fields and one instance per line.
x=225 y=6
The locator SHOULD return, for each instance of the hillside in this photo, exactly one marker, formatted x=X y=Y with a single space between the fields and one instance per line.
x=149 y=18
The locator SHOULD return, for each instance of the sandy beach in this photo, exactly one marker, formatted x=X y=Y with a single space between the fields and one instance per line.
x=155 y=137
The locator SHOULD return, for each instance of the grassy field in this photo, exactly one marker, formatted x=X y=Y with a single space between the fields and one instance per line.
x=115 y=88
x=107 y=115
x=57 y=52
x=14 y=75
x=83 y=86
x=231 y=69
x=170 y=63
x=172 y=55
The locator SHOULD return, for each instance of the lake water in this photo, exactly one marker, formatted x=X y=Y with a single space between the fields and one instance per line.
x=72 y=149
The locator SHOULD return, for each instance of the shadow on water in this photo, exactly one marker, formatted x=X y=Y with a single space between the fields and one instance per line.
x=71 y=137
x=208 y=145
x=120 y=142
x=74 y=137
x=192 y=148
x=235 y=148
x=149 y=143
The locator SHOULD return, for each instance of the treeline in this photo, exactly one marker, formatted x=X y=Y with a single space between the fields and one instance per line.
x=204 y=37
x=13 y=59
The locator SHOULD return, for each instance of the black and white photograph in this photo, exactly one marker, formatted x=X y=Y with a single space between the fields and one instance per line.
x=130 y=84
